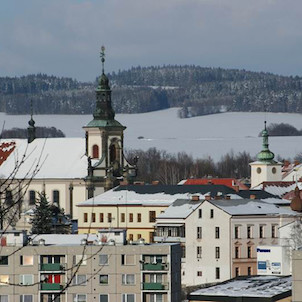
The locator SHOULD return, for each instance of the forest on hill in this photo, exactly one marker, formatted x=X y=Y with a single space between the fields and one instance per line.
x=196 y=90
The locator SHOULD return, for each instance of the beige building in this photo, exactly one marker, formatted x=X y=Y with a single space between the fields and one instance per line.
x=82 y=268
x=297 y=275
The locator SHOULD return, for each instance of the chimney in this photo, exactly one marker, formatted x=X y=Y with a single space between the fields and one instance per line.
x=139 y=183
x=252 y=196
x=195 y=198
x=217 y=197
x=227 y=197
x=236 y=188
x=155 y=182
x=207 y=197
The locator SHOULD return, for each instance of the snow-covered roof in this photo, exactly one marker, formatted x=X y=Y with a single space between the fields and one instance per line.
x=160 y=195
x=180 y=208
x=251 y=207
x=256 y=286
x=63 y=239
x=53 y=157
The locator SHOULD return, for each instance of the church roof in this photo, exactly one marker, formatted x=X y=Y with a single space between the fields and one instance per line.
x=46 y=158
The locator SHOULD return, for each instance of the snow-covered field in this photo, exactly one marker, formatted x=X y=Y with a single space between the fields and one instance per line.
x=211 y=135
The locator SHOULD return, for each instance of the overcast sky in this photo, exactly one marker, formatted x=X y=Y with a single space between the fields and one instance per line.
x=63 y=37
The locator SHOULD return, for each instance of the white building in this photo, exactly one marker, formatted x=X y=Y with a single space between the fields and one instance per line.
x=219 y=237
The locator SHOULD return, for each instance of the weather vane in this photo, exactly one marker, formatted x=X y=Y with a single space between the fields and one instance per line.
x=102 y=55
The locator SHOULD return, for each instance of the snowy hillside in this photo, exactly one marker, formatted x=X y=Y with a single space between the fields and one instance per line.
x=211 y=135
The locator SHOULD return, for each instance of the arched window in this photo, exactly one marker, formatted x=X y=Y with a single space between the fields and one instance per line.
x=112 y=153
x=95 y=151
x=56 y=196
x=32 y=197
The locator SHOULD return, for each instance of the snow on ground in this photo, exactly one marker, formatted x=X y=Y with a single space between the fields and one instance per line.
x=210 y=135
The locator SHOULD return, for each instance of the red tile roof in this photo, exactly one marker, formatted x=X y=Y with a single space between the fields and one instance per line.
x=5 y=150
x=229 y=182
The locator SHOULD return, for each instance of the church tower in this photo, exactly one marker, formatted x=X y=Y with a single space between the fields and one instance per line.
x=105 y=143
x=265 y=168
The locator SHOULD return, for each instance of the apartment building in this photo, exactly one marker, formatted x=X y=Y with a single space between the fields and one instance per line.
x=86 y=268
x=219 y=238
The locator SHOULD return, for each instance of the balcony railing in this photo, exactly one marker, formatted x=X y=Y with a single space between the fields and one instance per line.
x=155 y=266
x=51 y=286
x=154 y=286
x=52 y=267
x=158 y=238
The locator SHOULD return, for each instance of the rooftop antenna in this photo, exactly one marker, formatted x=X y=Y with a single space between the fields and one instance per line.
x=102 y=55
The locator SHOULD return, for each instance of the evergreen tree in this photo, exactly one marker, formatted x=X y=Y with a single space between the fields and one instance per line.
x=42 y=220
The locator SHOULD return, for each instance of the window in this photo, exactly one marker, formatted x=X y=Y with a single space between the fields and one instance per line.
x=109 y=217
x=217 y=232
x=199 y=251
x=139 y=236
x=217 y=273
x=156 y=298
x=236 y=232
x=261 y=231
x=274 y=170
x=32 y=197
x=249 y=252
x=236 y=252
x=212 y=213
x=249 y=231
x=131 y=237
x=78 y=298
x=152 y=216
x=183 y=251
x=258 y=170
x=151 y=237
x=79 y=259
x=199 y=232
x=199 y=273
x=236 y=271
x=200 y=213
x=101 y=217
x=26 y=279
x=95 y=151
x=128 y=259
x=4 y=279
x=104 y=279
x=3 y=260
x=130 y=217
x=139 y=217
x=103 y=260
x=56 y=196
x=25 y=298
x=3 y=298
x=8 y=197
x=26 y=260
x=128 y=279
x=128 y=298
x=104 y=298
x=92 y=217
x=112 y=153
x=274 y=233
x=217 y=252
x=249 y=270
x=79 y=280
x=85 y=217
x=123 y=217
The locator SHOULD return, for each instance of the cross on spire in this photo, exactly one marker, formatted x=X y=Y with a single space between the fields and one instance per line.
x=102 y=55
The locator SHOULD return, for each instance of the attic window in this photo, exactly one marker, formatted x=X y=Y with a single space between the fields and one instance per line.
x=258 y=170
x=274 y=170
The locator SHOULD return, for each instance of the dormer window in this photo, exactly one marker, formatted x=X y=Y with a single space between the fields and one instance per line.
x=95 y=151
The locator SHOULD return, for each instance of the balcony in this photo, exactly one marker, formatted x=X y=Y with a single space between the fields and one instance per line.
x=169 y=239
x=155 y=267
x=154 y=286
x=52 y=267
x=51 y=286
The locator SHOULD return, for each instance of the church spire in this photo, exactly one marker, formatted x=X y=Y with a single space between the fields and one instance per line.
x=31 y=129
x=265 y=154
x=103 y=109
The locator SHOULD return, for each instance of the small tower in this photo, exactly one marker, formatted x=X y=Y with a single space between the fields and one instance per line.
x=265 y=168
x=31 y=129
x=104 y=142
